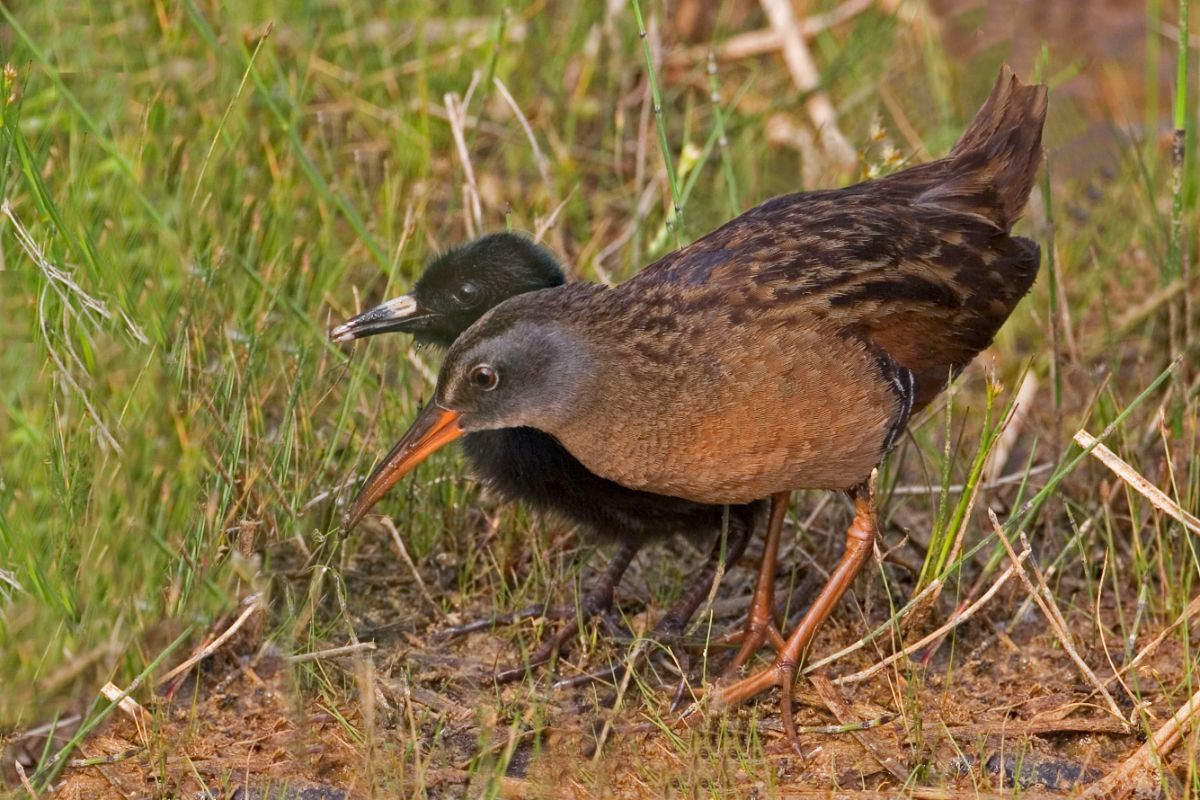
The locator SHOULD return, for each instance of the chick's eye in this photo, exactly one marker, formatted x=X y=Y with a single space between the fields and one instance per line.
x=466 y=294
x=485 y=377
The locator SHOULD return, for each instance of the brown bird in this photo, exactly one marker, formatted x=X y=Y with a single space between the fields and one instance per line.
x=787 y=349
x=528 y=466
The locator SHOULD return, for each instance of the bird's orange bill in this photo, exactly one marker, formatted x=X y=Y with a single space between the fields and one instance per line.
x=433 y=428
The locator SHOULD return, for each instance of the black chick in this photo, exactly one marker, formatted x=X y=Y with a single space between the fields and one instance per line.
x=530 y=466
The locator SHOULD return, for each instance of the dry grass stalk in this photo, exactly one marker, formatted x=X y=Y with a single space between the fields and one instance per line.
x=806 y=77
x=1044 y=597
x=1139 y=484
x=768 y=40
x=252 y=605
x=916 y=603
x=24 y=779
x=8 y=578
x=639 y=649
x=132 y=708
x=1117 y=674
x=958 y=619
x=1022 y=406
x=456 y=112
x=1134 y=317
x=89 y=308
x=332 y=652
x=1193 y=609
x=882 y=750
x=539 y=158
x=400 y=548
x=424 y=370
x=956 y=488
x=543 y=225
x=1124 y=780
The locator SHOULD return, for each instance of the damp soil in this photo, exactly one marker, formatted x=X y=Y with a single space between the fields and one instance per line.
x=998 y=706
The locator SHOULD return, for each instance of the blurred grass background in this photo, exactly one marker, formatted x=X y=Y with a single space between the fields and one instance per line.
x=193 y=192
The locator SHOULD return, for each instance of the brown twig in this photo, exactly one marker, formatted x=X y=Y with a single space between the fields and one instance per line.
x=1139 y=484
x=1120 y=782
x=400 y=548
x=332 y=652
x=1044 y=598
x=803 y=69
x=952 y=623
x=252 y=605
x=472 y=209
x=24 y=779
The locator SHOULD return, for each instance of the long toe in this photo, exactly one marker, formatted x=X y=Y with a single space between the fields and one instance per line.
x=753 y=637
x=724 y=696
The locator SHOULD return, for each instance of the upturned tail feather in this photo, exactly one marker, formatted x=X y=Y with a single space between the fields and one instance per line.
x=993 y=165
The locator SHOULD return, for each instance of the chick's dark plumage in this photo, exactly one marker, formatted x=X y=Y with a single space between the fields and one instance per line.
x=785 y=350
x=523 y=464
x=461 y=284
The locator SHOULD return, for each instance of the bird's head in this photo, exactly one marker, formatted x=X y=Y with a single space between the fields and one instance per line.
x=457 y=288
x=511 y=369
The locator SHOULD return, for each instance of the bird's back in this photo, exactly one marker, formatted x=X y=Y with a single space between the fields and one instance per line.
x=921 y=262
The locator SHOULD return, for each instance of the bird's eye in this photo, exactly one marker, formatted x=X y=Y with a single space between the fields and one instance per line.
x=466 y=294
x=485 y=377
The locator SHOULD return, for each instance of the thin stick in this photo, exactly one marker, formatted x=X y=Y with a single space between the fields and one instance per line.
x=954 y=622
x=212 y=647
x=332 y=652
x=538 y=157
x=1045 y=600
x=1011 y=434
x=24 y=779
x=1139 y=484
x=1148 y=756
x=767 y=40
x=135 y=710
x=391 y=526
x=806 y=77
x=472 y=212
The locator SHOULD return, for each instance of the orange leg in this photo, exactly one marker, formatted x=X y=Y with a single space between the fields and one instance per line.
x=782 y=673
x=760 y=624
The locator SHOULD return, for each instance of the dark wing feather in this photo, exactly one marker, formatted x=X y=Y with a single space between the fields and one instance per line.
x=920 y=262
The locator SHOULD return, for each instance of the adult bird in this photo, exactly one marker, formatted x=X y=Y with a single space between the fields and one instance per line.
x=787 y=349
x=529 y=466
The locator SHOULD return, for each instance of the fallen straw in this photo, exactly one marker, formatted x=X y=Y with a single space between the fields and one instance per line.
x=1137 y=482
x=1121 y=781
